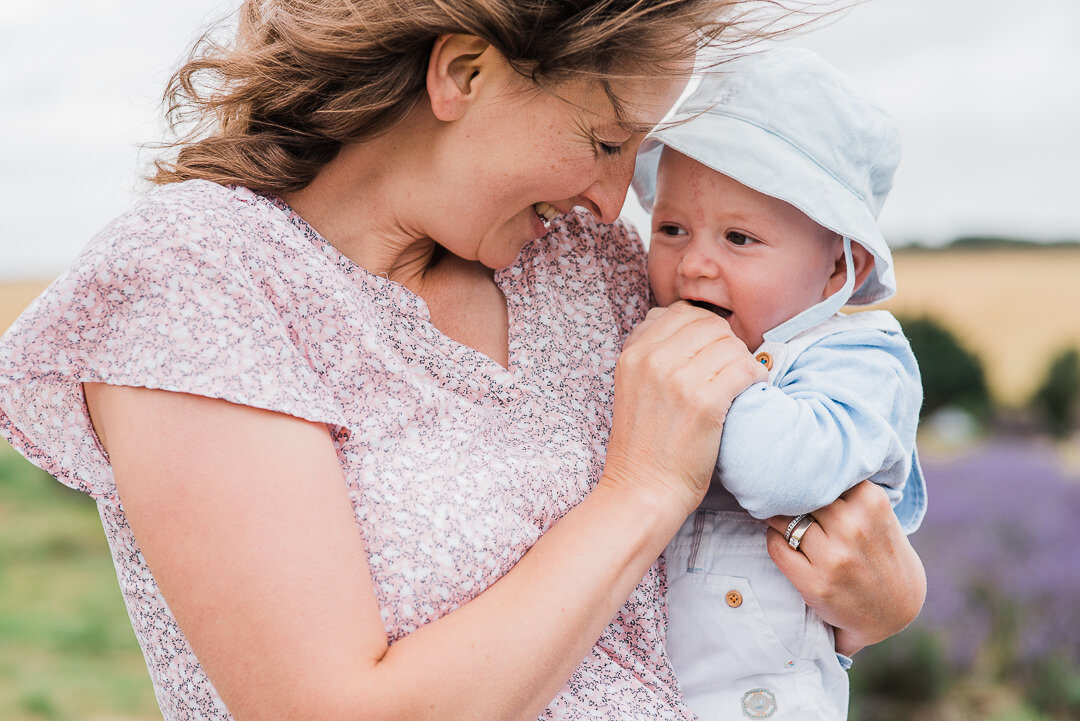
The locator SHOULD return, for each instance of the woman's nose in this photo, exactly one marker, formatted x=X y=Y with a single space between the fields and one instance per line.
x=605 y=197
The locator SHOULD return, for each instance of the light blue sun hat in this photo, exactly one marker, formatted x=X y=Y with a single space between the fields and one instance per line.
x=789 y=125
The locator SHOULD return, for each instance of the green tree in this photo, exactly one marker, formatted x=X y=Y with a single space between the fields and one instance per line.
x=1058 y=397
x=951 y=374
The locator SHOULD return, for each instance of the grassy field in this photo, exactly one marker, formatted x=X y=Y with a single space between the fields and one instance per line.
x=67 y=651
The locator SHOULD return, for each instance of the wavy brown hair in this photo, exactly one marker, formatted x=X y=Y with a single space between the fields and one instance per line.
x=269 y=107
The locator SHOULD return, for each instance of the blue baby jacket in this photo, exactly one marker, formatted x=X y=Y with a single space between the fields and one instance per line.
x=841 y=405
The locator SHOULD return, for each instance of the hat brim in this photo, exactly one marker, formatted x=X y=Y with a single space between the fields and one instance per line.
x=765 y=162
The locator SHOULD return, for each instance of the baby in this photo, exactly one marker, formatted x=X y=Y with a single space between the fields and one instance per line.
x=764 y=195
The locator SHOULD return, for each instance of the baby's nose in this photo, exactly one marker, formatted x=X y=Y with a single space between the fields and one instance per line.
x=697 y=262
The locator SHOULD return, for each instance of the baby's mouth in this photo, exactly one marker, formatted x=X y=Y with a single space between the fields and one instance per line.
x=711 y=307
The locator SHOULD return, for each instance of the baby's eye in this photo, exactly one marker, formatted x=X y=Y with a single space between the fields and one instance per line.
x=736 y=238
x=670 y=230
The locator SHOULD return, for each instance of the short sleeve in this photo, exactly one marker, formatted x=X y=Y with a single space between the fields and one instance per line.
x=173 y=296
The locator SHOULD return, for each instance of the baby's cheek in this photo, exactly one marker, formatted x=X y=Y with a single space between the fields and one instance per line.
x=751 y=336
x=661 y=266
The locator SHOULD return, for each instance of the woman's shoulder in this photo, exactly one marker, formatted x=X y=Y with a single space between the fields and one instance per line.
x=210 y=245
x=196 y=215
x=198 y=289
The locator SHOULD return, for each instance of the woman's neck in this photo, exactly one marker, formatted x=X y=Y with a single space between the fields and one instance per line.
x=368 y=202
x=361 y=203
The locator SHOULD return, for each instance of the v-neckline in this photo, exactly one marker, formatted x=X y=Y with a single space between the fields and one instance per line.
x=389 y=291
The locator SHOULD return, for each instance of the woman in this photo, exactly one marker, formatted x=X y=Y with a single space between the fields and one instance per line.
x=369 y=306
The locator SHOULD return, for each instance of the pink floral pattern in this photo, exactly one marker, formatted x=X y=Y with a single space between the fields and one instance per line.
x=454 y=465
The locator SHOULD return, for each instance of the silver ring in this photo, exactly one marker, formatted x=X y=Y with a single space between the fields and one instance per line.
x=797 y=533
x=791 y=526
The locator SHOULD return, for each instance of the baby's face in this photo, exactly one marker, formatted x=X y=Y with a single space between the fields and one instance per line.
x=748 y=257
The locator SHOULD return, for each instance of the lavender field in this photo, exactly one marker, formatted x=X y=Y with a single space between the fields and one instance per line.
x=999 y=637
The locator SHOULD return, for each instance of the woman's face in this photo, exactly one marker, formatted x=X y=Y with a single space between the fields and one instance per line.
x=523 y=155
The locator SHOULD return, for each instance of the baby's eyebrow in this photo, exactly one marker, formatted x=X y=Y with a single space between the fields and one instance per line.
x=661 y=210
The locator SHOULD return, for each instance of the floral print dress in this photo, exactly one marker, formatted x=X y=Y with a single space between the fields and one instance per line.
x=454 y=465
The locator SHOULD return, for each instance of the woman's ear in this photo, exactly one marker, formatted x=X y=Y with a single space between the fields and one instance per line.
x=861 y=258
x=454 y=73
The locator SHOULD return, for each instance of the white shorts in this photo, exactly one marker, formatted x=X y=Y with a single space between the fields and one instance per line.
x=741 y=640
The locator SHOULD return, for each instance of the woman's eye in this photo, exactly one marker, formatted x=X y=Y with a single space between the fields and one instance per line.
x=736 y=238
x=670 y=230
x=609 y=148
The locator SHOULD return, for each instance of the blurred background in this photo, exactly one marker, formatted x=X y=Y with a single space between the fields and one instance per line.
x=986 y=225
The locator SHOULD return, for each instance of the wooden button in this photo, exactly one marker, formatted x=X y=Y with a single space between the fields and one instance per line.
x=764 y=359
x=734 y=599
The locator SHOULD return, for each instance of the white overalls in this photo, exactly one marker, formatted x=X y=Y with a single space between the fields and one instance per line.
x=741 y=640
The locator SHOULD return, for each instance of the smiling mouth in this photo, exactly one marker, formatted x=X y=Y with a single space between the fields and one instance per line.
x=711 y=307
x=546 y=212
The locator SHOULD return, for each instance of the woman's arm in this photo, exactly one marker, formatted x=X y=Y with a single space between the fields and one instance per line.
x=855 y=567
x=244 y=519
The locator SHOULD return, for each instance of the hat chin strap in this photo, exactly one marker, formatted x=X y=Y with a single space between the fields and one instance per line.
x=817 y=313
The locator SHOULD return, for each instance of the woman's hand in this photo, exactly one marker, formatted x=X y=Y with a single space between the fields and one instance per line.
x=855 y=567
x=675 y=380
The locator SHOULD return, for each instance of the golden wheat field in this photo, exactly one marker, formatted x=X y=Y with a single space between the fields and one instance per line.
x=14 y=296
x=1014 y=307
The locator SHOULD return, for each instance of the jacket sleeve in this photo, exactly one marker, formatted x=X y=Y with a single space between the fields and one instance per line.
x=845 y=411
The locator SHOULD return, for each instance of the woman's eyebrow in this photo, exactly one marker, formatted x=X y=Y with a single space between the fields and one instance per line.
x=622 y=119
x=636 y=128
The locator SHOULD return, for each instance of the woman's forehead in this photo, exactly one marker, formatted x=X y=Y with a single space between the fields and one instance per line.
x=634 y=105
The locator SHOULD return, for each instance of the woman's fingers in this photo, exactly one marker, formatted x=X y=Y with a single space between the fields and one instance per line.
x=709 y=362
x=674 y=382
x=794 y=565
x=798 y=564
x=660 y=324
x=698 y=352
x=735 y=370
x=855 y=567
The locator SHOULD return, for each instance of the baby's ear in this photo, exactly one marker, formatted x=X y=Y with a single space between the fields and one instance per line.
x=861 y=258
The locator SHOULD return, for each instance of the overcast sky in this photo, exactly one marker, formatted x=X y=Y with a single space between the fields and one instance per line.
x=986 y=93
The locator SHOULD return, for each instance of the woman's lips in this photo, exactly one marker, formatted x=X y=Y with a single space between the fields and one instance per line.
x=711 y=307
